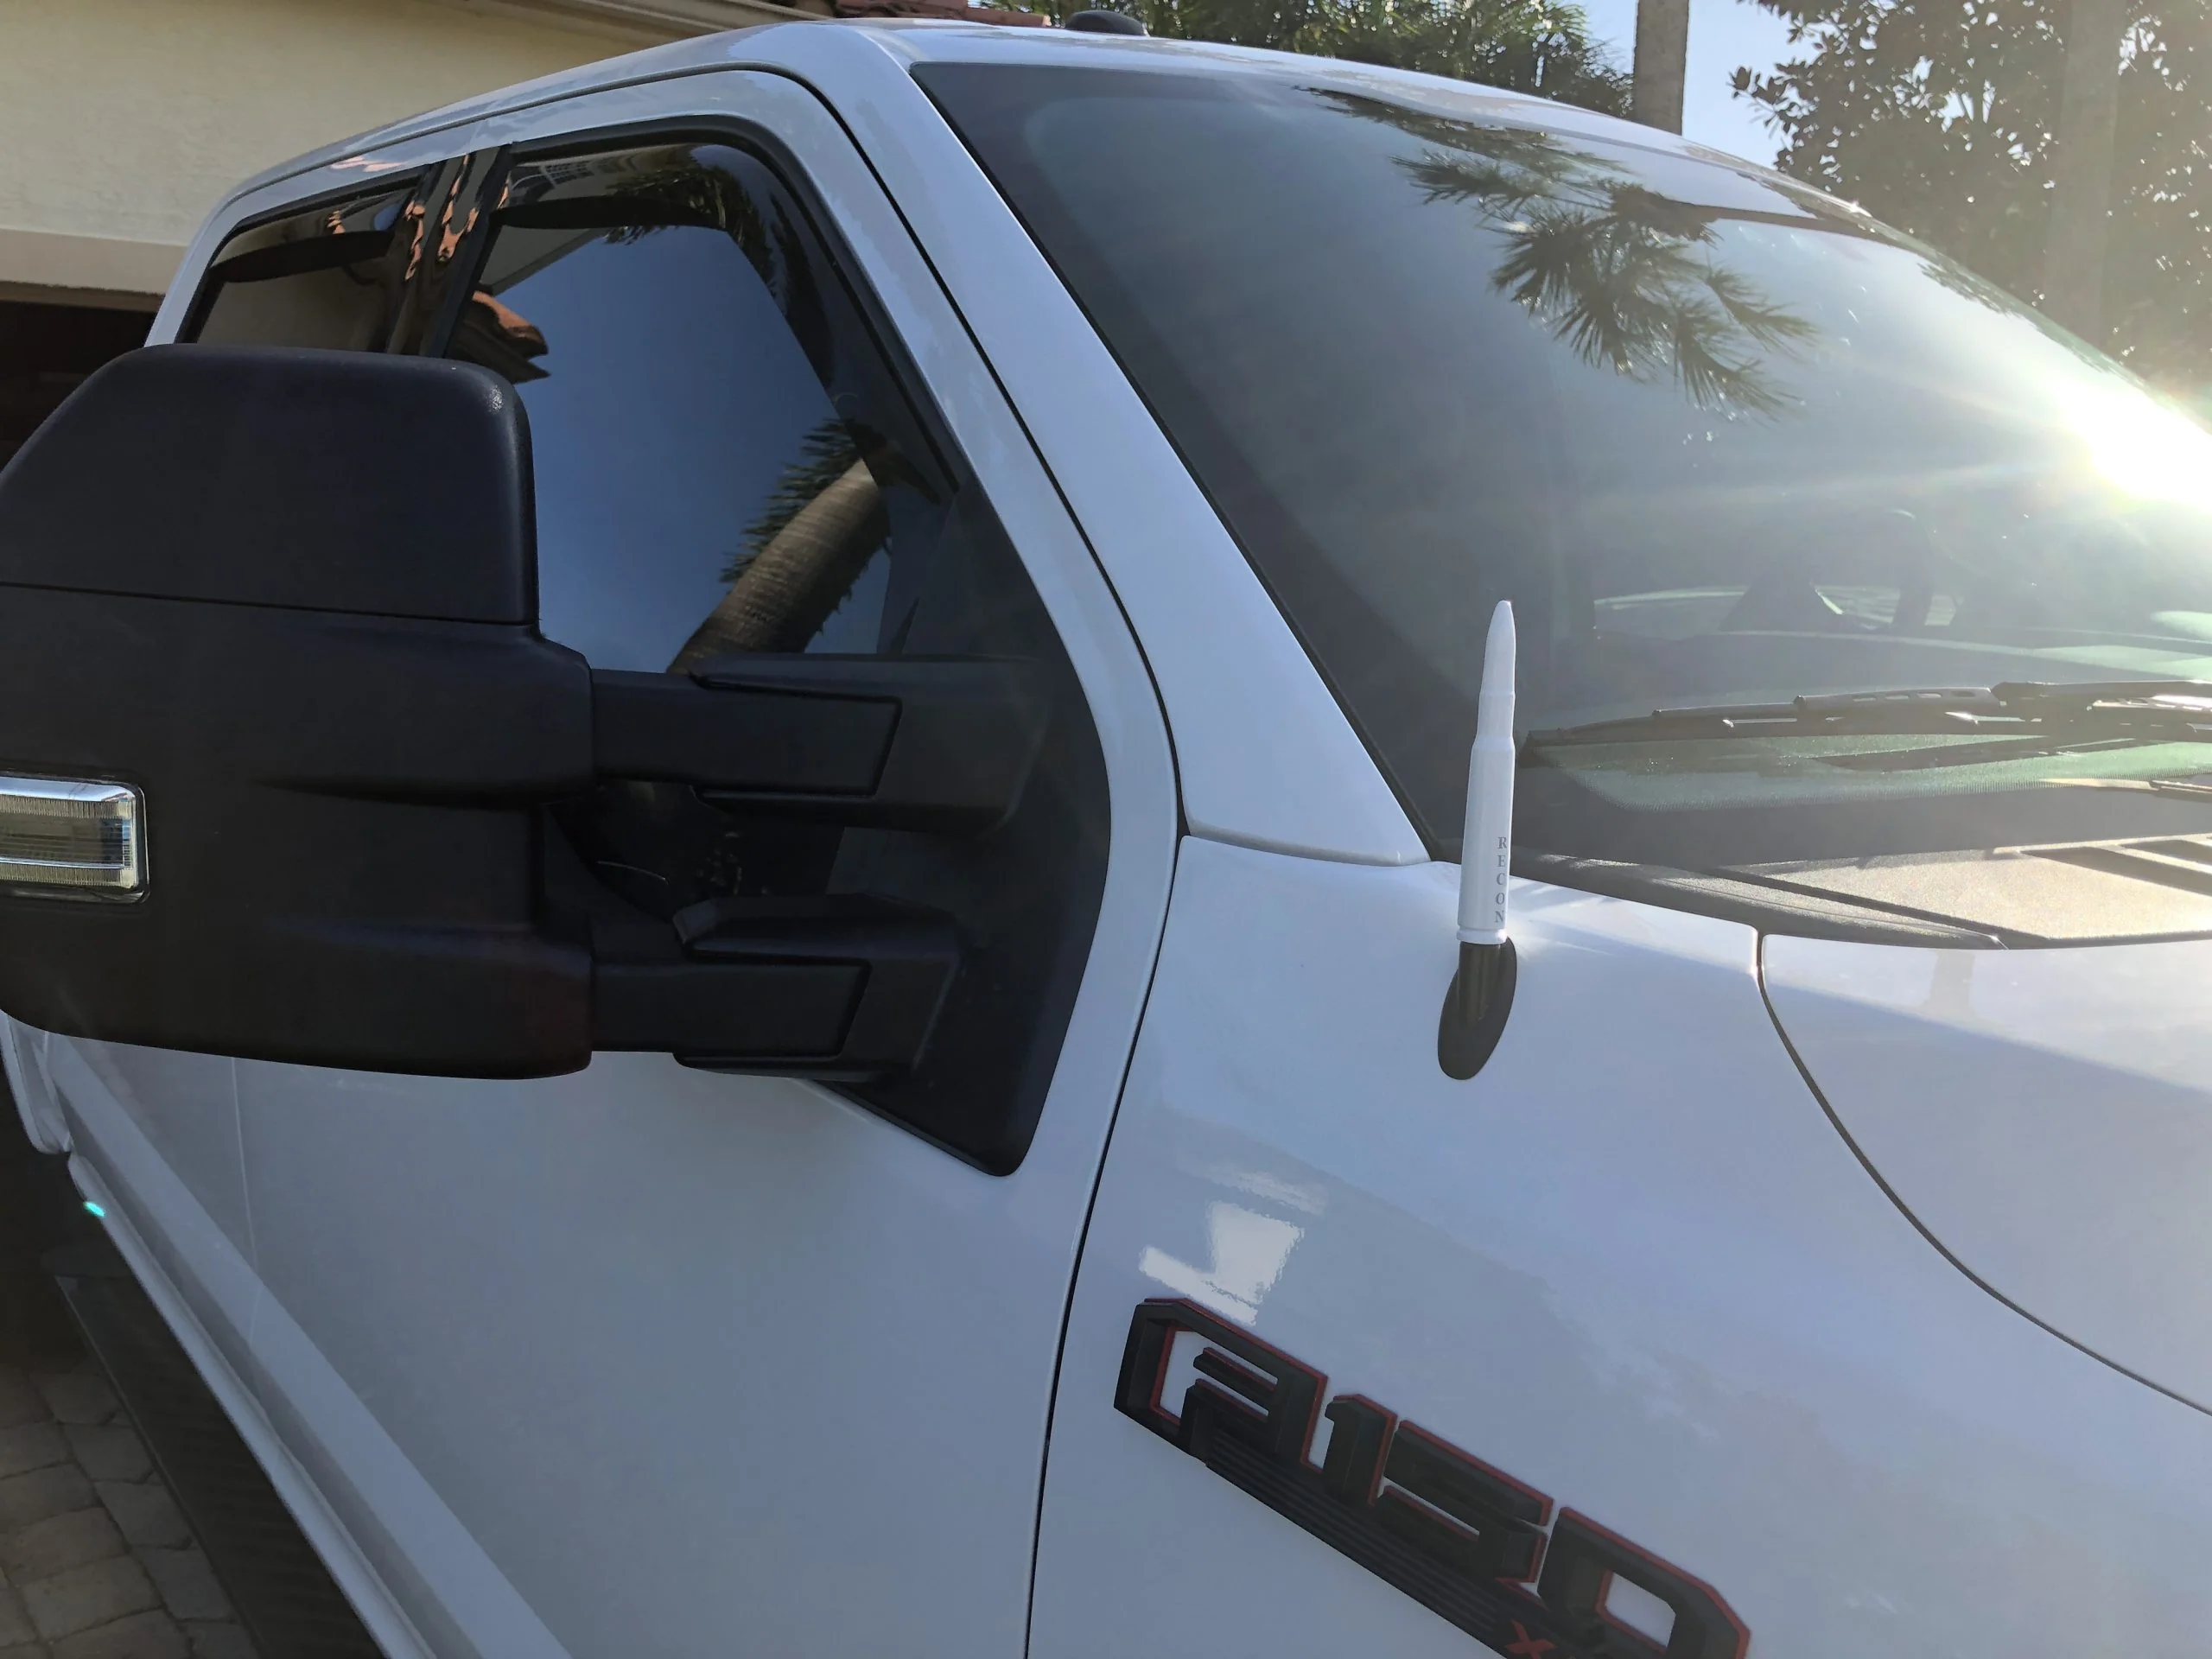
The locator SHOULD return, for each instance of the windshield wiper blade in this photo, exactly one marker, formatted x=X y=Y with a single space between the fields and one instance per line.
x=2170 y=697
x=1935 y=708
x=2154 y=710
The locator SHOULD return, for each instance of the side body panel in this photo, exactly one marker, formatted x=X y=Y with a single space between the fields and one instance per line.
x=1629 y=1265
x=650 y=1360
x=171 y=1123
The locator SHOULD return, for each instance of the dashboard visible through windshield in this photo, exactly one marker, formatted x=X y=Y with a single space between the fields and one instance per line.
x=1719 y=438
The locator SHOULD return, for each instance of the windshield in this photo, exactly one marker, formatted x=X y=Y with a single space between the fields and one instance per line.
x=1717 y=438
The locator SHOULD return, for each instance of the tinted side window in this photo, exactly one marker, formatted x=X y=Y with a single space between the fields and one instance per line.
x=331 y=275
x=714 y=470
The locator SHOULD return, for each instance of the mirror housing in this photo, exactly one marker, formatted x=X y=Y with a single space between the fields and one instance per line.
x=277 y=609
x=290 y=598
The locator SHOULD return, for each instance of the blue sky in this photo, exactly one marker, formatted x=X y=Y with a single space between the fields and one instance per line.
x=1723 y=34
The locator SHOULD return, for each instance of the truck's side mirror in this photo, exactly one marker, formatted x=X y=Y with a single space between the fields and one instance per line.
x=287 y=597
x=274 y=707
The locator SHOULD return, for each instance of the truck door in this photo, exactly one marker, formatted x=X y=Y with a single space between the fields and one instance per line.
x=652 y=1359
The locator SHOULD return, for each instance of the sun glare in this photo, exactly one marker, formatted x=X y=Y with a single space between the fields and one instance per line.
x=2141 y=446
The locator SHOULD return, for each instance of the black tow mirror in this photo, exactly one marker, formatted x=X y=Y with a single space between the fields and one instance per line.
x=289 y=598
x=278 y=738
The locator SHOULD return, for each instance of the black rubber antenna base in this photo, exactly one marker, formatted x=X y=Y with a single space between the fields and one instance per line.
x=1475 y=1008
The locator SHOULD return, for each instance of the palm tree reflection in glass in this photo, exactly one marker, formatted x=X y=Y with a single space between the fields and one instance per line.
x=825 y=517
x=1626 y=277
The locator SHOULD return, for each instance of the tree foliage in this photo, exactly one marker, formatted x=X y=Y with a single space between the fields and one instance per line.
x=1941 y=116
x=1528 y=46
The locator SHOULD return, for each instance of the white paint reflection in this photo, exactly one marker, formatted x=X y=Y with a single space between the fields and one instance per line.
x=1249 y=1250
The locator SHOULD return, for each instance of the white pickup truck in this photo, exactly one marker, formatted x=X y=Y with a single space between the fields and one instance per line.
x=731 y=844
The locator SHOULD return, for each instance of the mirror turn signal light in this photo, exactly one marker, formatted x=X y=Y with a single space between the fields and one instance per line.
x=72 y=838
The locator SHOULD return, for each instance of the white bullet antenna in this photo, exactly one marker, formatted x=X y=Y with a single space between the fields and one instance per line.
x=1474 y=1013
x=1486 y=842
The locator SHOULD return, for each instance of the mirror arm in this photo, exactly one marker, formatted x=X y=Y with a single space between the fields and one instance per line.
x=840 y=988
x=938 y=745
x=837 y=986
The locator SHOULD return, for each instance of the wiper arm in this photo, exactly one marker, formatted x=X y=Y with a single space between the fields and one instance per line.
x=2150 y=710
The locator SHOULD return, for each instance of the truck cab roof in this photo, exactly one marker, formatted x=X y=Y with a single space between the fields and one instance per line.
x=905 y=41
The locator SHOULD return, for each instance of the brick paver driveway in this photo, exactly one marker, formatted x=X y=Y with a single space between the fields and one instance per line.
x=95 y=1561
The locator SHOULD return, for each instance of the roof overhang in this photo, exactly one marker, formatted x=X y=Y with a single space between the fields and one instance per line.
x=655 y=20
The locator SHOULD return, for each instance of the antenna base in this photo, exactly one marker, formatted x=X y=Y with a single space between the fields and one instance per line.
x=1475 y=1008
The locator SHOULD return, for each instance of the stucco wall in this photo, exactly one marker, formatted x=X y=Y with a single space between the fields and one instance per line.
x=123 y=121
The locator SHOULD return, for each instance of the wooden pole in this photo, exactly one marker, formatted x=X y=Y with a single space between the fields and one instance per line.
x=2080 y=200
x=1662 y=44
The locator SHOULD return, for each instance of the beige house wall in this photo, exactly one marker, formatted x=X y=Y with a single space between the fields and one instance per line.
x=122 y=121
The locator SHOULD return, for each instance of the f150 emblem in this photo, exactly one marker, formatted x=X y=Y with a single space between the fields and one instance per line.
x=1467 y=1542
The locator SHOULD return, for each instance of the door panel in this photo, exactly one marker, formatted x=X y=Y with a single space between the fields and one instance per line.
x=163 y=1128
x=678 y=1350
x=186 y=1105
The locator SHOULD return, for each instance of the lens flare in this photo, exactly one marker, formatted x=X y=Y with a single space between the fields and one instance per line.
x=2139 y=445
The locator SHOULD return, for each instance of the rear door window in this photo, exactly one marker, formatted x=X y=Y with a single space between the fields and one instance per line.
x=331 y=275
